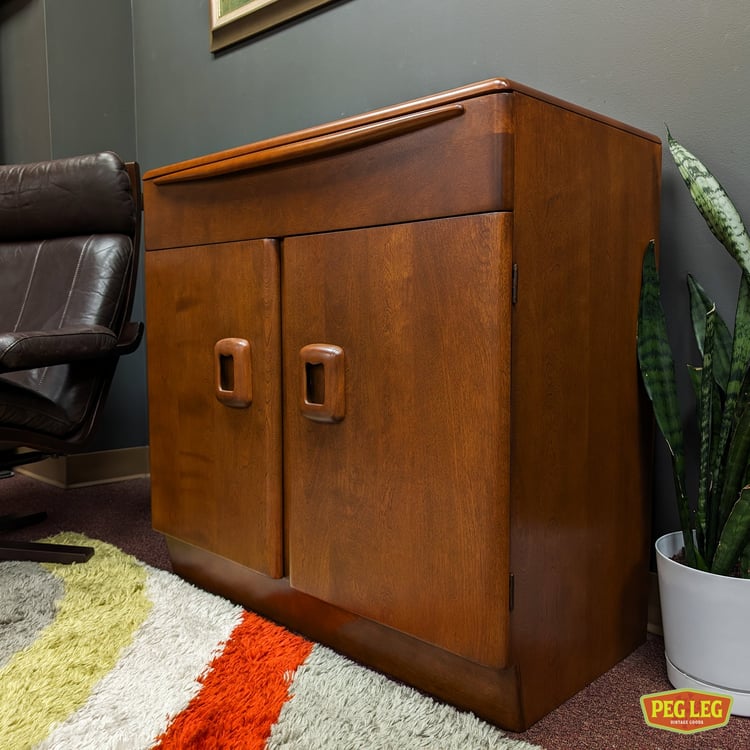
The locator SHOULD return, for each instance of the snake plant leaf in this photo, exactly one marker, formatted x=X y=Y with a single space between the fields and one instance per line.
x=717 y=403
x=734 y=536
x=740 y=362
x=733 y=407
x=744 y=567
x=723 y=400
x=700 y=304
x=738 y=454
x=708 y=519
x=658 y=375
x=695 y=379
x=656 y=361
x=712 y=201
x=736 y=467
x=706 y=415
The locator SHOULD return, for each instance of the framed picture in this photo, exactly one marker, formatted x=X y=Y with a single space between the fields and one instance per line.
x=235 y=20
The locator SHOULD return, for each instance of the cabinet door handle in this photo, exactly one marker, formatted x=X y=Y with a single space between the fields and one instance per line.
x=233 y=372
x=322 y=393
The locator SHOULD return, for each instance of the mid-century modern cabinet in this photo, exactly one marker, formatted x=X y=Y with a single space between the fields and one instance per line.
x=394 y=399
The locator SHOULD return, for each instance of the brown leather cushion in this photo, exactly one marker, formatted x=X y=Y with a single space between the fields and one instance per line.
x=74 y=196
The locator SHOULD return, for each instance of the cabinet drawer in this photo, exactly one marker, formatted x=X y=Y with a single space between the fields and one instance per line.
x=458 y=155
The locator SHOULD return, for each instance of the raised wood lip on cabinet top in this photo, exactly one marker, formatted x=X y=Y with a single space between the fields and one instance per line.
x=172 y=172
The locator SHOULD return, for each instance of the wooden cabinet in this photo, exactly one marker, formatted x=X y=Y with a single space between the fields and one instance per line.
x=393 y=389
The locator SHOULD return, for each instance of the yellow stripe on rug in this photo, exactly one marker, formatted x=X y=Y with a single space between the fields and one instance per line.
x=104 y=603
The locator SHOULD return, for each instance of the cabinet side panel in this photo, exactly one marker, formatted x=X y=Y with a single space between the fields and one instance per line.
x=586 y=205
x=399 y=511
x=216 y=468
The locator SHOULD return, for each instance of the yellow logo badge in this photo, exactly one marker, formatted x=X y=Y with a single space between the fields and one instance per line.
x=686 y=711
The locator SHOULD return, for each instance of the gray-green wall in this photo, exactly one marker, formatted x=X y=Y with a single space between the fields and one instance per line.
x=647 y=62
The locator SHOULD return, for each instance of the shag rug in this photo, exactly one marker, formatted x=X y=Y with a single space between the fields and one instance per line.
x=113 y=653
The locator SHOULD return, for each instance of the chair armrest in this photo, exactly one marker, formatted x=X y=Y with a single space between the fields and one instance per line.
x=130 y=338
x=25 y=350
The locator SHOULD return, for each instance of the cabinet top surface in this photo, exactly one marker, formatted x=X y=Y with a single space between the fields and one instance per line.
x=502 y=86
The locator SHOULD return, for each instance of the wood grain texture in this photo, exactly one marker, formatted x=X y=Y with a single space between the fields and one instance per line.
x=490 y=87
x=317 y=147
x=395 y=512
x=586 y=205
x=490 y=693
x=353 y=188
x=216 y=470
x=473 y=438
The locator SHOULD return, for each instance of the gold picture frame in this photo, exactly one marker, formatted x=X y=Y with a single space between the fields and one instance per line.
x=235 y=20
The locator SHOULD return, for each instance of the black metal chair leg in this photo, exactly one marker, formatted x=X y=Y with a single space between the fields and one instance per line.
x=38 y=551
x=44 y=552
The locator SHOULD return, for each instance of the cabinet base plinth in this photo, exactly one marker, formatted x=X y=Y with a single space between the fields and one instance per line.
x=491 y=694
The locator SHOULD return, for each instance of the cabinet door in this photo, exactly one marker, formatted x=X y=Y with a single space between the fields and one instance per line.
x=215 y=412
x=396 y=478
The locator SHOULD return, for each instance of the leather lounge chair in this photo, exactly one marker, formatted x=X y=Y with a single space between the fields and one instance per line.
x=69 y=246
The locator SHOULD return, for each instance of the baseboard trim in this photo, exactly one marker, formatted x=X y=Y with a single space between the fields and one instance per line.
x=86 y=469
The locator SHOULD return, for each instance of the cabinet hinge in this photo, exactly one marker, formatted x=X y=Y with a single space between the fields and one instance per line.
x=514 y=284
x=511 y=592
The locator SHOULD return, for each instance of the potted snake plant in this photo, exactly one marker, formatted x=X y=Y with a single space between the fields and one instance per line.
x=704 y=569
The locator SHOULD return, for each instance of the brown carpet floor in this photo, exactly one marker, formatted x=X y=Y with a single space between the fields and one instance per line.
x=604 y=716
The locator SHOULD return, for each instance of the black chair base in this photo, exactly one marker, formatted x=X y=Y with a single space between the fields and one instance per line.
x=44 y=552
x=38 y=551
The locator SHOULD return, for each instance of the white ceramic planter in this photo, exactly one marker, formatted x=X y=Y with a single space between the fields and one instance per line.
x=706 y=621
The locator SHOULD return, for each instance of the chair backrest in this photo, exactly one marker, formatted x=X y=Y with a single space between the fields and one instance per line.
x=69 y=244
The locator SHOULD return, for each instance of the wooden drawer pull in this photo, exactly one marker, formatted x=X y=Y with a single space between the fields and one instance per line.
x=322 y=390
x=233 y=372
x=357 y=137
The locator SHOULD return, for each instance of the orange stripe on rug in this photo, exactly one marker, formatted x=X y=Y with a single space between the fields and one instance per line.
x=243 y=690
